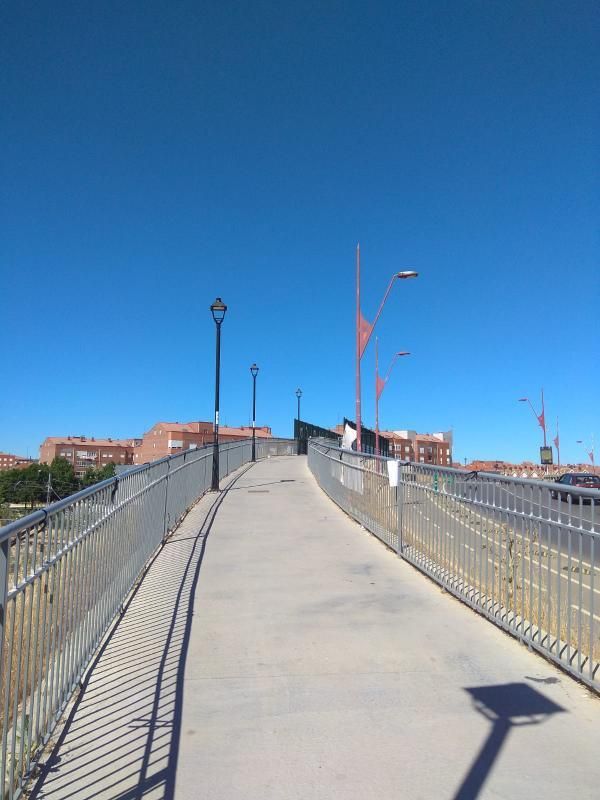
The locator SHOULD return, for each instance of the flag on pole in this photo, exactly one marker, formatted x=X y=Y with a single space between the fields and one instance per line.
x=542 y=421
x=364 y=333
x=556 y=442
x=380 y=386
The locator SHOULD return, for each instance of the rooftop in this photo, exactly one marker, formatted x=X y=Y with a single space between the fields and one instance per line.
x=87 y=440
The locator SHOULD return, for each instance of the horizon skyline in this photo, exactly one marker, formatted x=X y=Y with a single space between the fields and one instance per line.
x=90 y=437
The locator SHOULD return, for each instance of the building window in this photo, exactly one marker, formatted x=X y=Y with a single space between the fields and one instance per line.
x=91 y=454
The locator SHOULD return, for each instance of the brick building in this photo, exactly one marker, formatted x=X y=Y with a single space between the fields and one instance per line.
x=10 y=461
x=84 y=452
x=424 y=448
x=167 y=438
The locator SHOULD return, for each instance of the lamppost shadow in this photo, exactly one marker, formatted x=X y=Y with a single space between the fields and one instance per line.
x=506 y=706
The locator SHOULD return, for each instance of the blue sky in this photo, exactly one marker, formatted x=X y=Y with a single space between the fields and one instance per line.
x=158 y=154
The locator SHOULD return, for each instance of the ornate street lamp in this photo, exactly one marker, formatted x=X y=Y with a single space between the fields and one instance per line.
x=218 y=309
x=254 y=373
x=298 y=395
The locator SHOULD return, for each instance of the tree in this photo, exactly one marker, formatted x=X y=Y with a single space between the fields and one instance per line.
x=64 y=481
x=97 y=474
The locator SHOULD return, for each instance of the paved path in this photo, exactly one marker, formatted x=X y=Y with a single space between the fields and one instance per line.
x=276 y=651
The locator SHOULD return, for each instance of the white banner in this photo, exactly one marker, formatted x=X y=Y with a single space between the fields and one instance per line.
x=348 y=438
x=392 y=467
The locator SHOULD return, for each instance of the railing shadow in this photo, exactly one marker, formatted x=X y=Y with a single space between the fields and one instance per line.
x=121 y=738
x=506 y=706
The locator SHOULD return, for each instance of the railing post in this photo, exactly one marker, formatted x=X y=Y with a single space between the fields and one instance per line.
x=3 y=593
x=165 y=521
x=400 y=507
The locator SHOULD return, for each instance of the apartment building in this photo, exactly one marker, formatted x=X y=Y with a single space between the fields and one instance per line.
x=84 y=452
x=167 y=438
x=10 y=461
x=424 y=448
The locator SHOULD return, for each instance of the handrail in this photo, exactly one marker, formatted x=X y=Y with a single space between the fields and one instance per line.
x=491 y=476
x=511 y=548
x=65 y=571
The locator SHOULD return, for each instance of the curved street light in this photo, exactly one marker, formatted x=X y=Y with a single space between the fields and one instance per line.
x=364 y=329
x=541 y=419
x=590 y=453
x=380 y=384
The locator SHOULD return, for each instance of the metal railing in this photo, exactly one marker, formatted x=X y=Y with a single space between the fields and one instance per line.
x=65 y=572
x=524 y=553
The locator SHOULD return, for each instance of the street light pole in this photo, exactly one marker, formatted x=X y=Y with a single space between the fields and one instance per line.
x=298 y=396
x=359 y=352
x=380 y=384
x=254 y=373
x=364 y=329
x=218 y=309
x=377 y=396
x=590 y=453
x=541 y=418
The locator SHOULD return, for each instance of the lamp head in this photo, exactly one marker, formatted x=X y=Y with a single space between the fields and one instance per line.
x=403 y=353
x=254 y=370
x=218 y=309
x=298 y=392
x=523 y=399
x=407 y=274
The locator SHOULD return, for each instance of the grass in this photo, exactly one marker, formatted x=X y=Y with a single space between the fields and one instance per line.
x=507 y=569
x=502 y=565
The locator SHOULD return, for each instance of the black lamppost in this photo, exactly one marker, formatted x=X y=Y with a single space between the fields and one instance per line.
x=254 y=373
x=298 y=395
x=218 y=309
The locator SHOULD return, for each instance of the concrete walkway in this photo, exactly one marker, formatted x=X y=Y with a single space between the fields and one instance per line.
x=277 y=651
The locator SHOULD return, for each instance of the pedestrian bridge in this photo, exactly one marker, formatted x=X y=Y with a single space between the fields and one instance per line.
x=267 y=646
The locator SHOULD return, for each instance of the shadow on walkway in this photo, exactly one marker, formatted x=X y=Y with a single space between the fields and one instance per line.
x=507 y=706
x=121 y=738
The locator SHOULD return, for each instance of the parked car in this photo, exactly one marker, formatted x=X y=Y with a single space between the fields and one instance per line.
x=577 y=480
